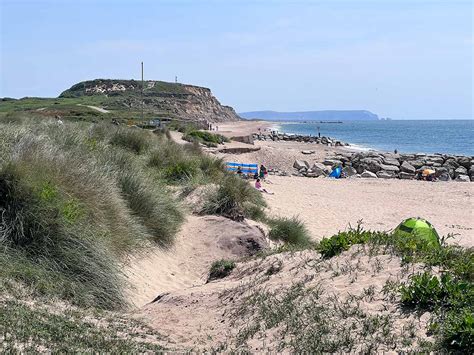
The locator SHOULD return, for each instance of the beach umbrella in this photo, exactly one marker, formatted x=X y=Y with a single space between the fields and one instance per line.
x=418 y=227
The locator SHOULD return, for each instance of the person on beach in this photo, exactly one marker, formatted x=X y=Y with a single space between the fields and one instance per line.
x=262 y=172
x=239 y=171
x=258 y=186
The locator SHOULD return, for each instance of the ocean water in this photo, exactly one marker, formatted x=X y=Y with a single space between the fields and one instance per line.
x=407 y=136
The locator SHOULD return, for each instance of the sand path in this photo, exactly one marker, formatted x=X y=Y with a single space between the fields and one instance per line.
x=201 y=241
x=102 y=110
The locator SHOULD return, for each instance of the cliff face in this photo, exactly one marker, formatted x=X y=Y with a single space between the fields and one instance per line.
x=186 y=102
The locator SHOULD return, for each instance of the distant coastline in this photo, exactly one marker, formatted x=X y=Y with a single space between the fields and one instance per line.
x=325 y=115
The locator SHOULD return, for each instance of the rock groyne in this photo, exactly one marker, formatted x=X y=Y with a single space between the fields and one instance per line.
x=276 y=136
x=374 y=164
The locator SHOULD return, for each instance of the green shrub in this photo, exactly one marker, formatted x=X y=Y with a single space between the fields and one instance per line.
x=45 y=248
x=342 y=241
x=423 y=290
x=205 y=137
x=220 y=269
x=290 y=230
x=457 y=330
x=452 y=301
x=166 y=155
x=181 y=170
x=212 y=168
x=132 y=139
x=234 y=198
x=153 y=205
x=70 y=213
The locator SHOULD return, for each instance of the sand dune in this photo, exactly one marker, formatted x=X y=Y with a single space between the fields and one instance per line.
x=223 y=315
x=201 y=241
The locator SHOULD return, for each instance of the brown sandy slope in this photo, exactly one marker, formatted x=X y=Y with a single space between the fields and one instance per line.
x=201 y=241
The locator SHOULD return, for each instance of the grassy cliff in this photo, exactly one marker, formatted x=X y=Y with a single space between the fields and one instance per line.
x=106 y=99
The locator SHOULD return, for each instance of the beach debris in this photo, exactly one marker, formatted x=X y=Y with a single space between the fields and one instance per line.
x=308 y=152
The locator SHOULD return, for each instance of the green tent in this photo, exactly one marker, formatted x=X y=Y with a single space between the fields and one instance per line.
x=418 y=227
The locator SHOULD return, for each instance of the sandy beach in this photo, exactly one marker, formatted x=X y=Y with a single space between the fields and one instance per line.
x=174 y=296
x=328 y=206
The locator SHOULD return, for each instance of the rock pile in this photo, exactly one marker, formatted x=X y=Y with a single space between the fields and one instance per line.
x=276 y=136
x=391 y=166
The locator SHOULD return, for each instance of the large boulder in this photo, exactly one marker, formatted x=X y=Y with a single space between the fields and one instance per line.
x=406 y=176
x=417 y=163
x=462 y=178
x=386 y=174
x=444 y=176
x=406 y=167
x=407 y=156
x=464 y=161
x=299 y=164
x=368 y=174
x=441 y=170
x=392 y=168
x=349 y=171
x=471 y=171
x=434 y=159
x=452 y=163
x=318 y=169
x=332 y=162
x=460 y=171
x=371 y=164
x=320 y=166
x=391 y=161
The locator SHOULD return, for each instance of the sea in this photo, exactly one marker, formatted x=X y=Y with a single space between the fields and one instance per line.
x=406 y=136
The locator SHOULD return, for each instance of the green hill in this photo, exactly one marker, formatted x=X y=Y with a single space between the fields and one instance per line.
x=122 y=99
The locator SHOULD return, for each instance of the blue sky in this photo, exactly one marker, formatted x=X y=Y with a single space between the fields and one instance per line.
x=402 y=59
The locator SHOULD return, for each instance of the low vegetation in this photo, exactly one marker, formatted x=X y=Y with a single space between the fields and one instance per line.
x=28 y=327
x=220 y=269
x=206 y=138
x=306 y=320
x=236 y=199
x=75 y=200
x=289 y=230
x=446 y=289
